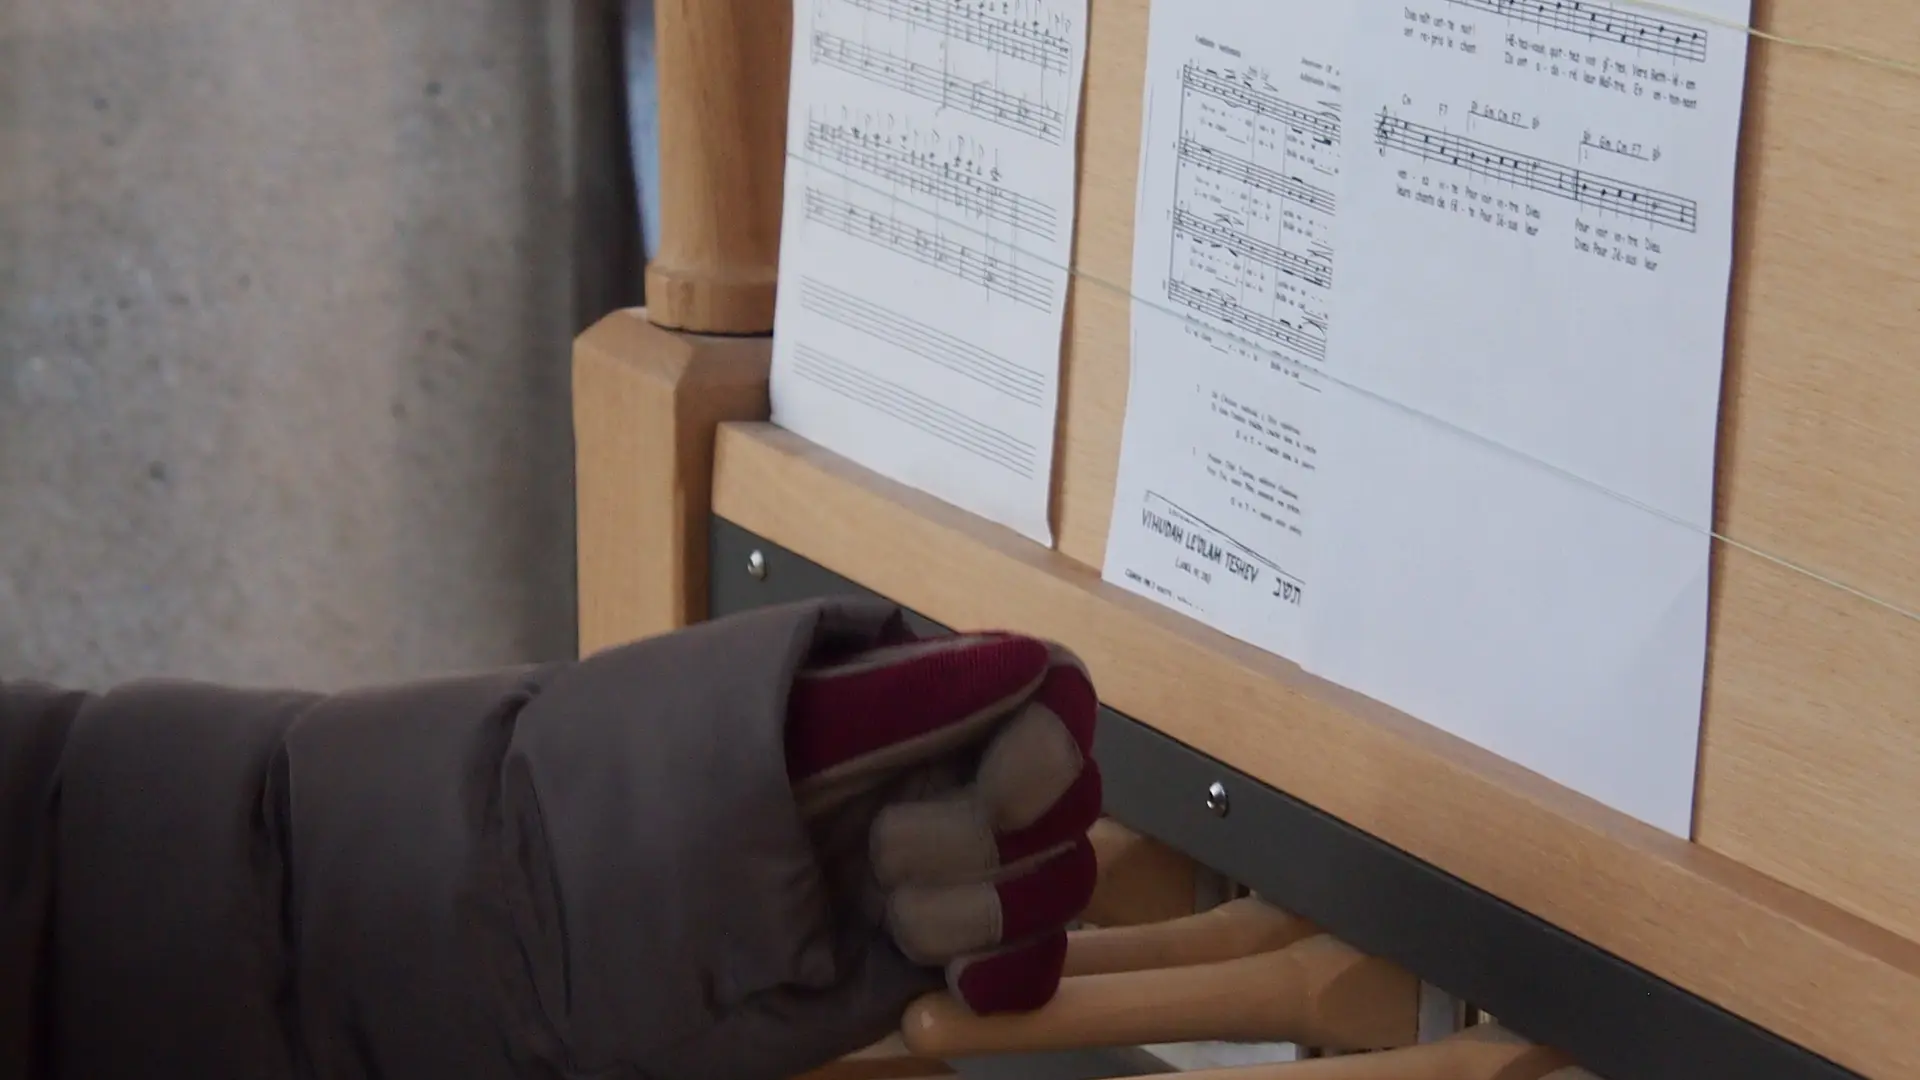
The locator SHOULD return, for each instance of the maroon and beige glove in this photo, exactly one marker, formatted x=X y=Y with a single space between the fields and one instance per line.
x=950 y=787
x=741 y=850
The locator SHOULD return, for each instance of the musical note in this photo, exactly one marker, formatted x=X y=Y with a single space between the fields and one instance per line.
x=984 y=98
x=1602 y=22
x=1233 y=271
x=1536 y=173
x=1041 y=43
x=948 y=178
x=1230 y=311
x=1322 y=125
x=1260 y=177
x=1314 y=271
x=926 y=243
x=931 y=247
x=1250 y=231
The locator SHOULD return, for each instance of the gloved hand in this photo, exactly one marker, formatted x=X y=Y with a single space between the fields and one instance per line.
x=742 y=849
x=950 y=788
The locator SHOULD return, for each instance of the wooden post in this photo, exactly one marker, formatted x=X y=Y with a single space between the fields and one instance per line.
x=646 y=402
x=722 y=75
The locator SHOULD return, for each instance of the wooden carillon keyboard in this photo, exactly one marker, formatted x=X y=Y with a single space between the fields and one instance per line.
x=1469 y=442
x=1242 y=971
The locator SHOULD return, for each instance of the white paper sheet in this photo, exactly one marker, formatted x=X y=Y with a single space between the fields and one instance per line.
x=927 y=234
x=1232 y=281
x=1535 y=250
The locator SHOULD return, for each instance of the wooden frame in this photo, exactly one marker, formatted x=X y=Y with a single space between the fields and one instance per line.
x=1796 y=904
x=645 y=404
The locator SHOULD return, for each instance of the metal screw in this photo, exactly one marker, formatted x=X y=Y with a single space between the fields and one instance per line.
x=757 y=565
x=1217 y=798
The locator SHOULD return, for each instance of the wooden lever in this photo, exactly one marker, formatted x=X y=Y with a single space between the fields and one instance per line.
x=1141 y=880
x=1316 y=992
x=1486 y=1052
x=1235 y=929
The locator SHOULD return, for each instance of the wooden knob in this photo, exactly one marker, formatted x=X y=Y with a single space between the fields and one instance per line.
x=1485 y=1052
x=1234 y=929
x=1317 y=992
x=1141 y=880
x=722 y=73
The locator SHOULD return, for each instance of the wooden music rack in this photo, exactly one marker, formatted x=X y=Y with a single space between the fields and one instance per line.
x=1782 y=941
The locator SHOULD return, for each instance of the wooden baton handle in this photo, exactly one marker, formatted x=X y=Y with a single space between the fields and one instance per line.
x=722 y=69
x=1317 y=992
x=1485 y=1052
x=1141 y=880
x=1235 y=929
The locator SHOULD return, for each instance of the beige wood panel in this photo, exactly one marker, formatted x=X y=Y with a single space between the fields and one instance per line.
x=1791 y=963
x=645 y=404
x=1812 y=746
x=1810 y=763
x=1094 y=386
x=1820 y=459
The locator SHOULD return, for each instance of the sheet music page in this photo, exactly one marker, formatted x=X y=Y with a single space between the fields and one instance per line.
x=926 y=241
x=1232 y=284
x=1536 y=247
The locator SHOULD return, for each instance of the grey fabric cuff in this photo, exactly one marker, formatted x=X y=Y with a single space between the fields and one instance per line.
x=670 y=878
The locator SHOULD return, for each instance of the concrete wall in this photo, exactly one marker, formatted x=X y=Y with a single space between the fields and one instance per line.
x=286 y=292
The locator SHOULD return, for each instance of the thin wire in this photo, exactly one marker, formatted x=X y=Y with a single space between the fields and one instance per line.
x=1080 y=273
x=1904 y=67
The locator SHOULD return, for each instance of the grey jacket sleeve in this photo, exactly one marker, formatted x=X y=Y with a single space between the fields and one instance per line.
x=590 y=869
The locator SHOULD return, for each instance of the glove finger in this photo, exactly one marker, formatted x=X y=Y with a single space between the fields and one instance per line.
x=901 y=704
x=1036 y=788
x=951 y=840
x=1032 y=761
x=1018 y=978
x=940 y=923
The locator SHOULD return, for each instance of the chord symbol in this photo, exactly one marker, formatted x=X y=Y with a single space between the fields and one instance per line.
x=1536 y=174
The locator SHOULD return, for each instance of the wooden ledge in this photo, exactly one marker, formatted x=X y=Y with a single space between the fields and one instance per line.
x=1799 y=967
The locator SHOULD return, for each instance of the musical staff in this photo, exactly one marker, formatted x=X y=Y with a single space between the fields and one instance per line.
x=977 y=24
x=948 y=179
x=1226 y=309
x=1194 y=152
x=944 y=253
x=982 y=98
x=1314 y=271
x=925 y=250
x=889 y=398
x=904 y=332
x=1321 y=125
x=1250 y=236
x=1537 y=174
x=1602 y=22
